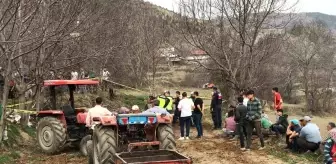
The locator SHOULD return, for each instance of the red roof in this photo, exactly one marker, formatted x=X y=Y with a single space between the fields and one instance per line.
x=198 y=52
x=68 y=82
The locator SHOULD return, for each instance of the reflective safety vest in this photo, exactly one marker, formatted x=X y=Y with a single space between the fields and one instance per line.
x=162 y=100
x=170 y=103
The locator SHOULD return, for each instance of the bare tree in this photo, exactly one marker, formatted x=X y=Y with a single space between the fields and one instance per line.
x=312 y=49
x=239 y=36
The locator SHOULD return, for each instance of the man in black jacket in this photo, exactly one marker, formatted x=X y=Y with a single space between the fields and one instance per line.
x=281 y=125
x=216 y=108
x=240 y=118
x=177 y=112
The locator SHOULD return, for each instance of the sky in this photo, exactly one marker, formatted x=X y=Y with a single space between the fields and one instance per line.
x=322 y=6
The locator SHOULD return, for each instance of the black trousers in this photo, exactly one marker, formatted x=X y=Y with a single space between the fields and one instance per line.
x=250 y=125
x=292 y=145
x=217 y=117
x=241 y=131
x=304 y=145
x=177 y=114
x=278 y=129
x=185 y=121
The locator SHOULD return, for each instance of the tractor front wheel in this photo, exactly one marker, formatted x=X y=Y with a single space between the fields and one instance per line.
x=166 y=137
x=51 y=135
x=83 y=145
x=104 y=145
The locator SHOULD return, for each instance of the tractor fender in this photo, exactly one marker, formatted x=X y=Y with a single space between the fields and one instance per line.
x=164 y=118
x=106 y=120
x=53 y=113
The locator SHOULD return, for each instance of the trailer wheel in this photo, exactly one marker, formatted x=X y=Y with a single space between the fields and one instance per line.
x=166 y=137
x=83 y=145
x=104 y=145
x=51 y=135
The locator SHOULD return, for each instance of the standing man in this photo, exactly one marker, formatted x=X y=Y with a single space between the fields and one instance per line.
x=253 y=119
x=277 y=103
x=177 y=113
x=192 y=97
x=170 y=103
x=166 y=101
x=240 y=115
x=216 y=108
x=186 y=105
x=198 y=114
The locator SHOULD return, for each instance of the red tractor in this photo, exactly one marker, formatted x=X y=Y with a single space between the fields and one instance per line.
x=58 y=125
x=150 y=137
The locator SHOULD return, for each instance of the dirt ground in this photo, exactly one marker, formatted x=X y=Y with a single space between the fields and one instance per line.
x=212 y=149
x=215 y=149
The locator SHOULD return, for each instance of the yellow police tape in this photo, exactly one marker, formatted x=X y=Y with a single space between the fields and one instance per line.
x=13 y=105
x=24 y=111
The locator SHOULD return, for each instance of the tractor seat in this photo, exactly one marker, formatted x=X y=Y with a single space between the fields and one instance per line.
x=68 y=110
x=70 y=114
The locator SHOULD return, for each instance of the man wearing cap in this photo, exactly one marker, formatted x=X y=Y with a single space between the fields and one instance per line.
x=310 y=137
x=135 y=109
x=293 y=131
x=216 y=108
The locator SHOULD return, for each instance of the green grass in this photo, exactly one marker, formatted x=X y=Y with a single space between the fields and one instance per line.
x=29 y=130
x=5 y=159
x=293 y=158
x=13 y=135
x=9 y=157
x=130 y=100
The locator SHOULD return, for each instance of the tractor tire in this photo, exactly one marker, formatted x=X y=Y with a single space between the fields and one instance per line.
x=51 y=135
x=90 y=151
x=104 y=145
x=83 y=145
x=166 y=137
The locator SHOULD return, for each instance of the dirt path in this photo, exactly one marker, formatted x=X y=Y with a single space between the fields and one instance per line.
x=217 y=150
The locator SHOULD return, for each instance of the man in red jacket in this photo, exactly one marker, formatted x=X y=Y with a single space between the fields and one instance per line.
x=277 y=103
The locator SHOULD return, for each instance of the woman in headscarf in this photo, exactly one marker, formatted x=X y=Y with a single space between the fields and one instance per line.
x=330 y=148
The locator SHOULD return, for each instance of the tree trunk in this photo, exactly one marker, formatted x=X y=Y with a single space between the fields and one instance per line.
x=5 y=97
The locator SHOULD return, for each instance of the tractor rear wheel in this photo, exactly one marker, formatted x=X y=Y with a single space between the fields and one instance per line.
x=166 y=137
x=51 y=135
x=104 y=145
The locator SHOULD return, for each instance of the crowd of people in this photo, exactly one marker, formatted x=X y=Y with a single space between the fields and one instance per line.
x=244 y=119
x=302 y=135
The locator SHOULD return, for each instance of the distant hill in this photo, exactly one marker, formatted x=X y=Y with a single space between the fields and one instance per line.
x=329 y=20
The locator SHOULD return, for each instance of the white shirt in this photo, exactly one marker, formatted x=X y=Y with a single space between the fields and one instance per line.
x=74 y=75
x=106 y=74
x=245 y=101
x=96 y=111
x=186 y=106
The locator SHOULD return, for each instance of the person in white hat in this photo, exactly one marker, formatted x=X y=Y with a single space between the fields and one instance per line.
x=310 y=136
x=135 y=109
